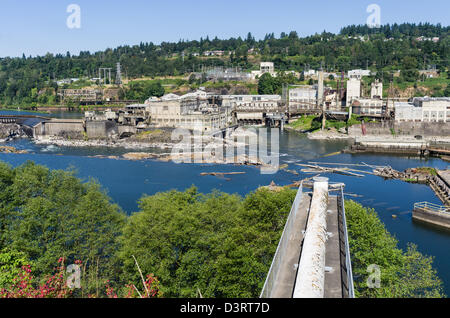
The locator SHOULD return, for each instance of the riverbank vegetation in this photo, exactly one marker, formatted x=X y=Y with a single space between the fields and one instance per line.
x=185 y=243
x=402 y=273
x=312 y=123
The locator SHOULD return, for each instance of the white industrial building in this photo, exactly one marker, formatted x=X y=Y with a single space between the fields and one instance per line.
x=368 y=106
x=251 y=102
x=310 y=73
x=353 y=90
x=424 y=109
x=190 y=111
x=303 y=97
x=376 y=90
x=265 y=67
x=358 y=73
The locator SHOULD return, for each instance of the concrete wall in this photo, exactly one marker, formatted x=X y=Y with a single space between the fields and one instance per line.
x=403 y=129
x=57 y=128
x=249 y=116
x=100 y=129
x=126 y=129
x=440 y=219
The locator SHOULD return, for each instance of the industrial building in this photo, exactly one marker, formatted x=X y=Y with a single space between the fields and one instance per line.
x=368 y=106
x=353 y=90
x=252 y=109
x=314 y=97
x=303 y=97
x=251 y=102
x=195 y=111
x=89 y=96
x=224 y=74
x=376 y=91
x=265 y=67
x=423 y=109
x=358 y=74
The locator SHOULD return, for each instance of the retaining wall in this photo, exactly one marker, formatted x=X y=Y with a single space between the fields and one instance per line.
x=424 y=129
x=440 y=219
x=100 y=129
x=57 y=128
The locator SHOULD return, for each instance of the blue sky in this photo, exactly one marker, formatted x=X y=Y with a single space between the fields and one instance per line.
x=37 y=27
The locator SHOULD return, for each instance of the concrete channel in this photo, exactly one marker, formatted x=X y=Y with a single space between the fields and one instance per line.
x=313 y=258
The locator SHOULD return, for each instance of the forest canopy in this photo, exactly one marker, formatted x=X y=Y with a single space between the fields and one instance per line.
x=219 y=244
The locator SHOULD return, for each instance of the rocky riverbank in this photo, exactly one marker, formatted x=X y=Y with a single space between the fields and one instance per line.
x=9 y=149
x=196 y=158
x=124 y=143
x=9 y=131
x=202 y=149
x=328 y=135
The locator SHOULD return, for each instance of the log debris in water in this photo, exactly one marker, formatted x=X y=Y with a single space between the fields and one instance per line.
x=317 y=168
x=220 y=174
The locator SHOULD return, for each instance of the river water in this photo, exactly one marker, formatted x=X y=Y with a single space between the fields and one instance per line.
x=127 y=181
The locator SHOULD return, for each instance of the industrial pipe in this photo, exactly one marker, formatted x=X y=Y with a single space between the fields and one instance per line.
x=310 y=279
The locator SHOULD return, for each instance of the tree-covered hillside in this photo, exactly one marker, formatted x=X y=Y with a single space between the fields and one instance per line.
x=389 y=48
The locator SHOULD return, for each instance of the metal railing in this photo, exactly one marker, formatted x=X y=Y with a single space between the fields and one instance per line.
x=348 y=261
x=271 y=278
x=434 y=208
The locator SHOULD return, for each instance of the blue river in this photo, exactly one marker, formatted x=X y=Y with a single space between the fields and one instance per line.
x=127 y=181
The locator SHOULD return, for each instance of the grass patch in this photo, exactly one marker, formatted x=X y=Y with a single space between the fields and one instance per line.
x=306 y=123
x=145 y=134
x=427 y=170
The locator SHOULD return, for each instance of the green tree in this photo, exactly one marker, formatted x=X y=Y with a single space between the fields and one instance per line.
x=267 y=85
x=403 y=274
x=216 y=243
x=410 y=72
x=302 y=77
x=447 y=91
x=11 y=263
x=51 y=214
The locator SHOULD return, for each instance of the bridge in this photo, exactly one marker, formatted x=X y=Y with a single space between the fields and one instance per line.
x=313 y=256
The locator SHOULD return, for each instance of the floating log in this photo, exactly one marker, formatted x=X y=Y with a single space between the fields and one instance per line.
x=316 y=168
x=332 y=154
x=353 y=195
x=347 y=164
x=221 y=174
x=361 y=171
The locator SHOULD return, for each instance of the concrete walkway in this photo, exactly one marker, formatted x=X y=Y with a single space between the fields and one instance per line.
x=284 y=286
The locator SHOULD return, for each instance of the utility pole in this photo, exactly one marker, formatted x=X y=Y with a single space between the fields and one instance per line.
x=320 y=102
